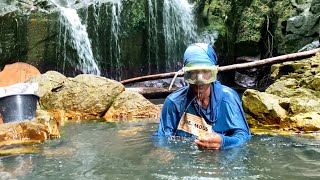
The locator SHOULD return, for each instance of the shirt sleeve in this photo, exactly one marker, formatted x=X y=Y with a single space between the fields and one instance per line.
x=232 y=124
x=168 y=119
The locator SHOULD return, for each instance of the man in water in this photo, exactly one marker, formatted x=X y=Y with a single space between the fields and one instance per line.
x=205 y=109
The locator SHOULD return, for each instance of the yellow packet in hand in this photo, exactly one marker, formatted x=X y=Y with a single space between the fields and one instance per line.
x=202 y=135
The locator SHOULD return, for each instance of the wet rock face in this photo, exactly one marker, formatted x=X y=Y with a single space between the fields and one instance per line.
x=249 y=77
x=315 y=6
x=304 y=25
x=301 y=27
x=262 y=27
x=259 y=28
x=33 y=31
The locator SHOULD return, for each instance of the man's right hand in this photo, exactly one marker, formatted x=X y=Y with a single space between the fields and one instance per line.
x=209 y=141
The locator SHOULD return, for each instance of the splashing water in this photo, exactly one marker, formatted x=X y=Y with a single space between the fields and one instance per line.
x=207 y=37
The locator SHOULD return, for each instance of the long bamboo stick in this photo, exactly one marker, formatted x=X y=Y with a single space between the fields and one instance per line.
x=273 y=60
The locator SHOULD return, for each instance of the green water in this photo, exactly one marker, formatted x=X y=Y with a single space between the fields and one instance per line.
x=99 y=150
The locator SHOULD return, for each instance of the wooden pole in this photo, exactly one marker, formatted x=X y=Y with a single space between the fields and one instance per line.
x=273 y=60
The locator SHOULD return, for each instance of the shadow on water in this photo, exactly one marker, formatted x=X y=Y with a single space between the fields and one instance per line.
x=126 y=150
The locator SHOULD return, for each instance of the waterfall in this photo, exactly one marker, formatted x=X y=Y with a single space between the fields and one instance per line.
x=169 y=29
x=115 y=49
x=179 y=30
x=153 y=46
x=73 y=27
x=168 y=37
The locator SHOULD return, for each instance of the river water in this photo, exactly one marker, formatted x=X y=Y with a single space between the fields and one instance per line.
x=126 y=150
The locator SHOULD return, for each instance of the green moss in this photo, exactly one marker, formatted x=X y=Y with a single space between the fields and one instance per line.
x=216 y=14
x=12 y=38
x=251 y=21
x=253 y=24
x=135 y=19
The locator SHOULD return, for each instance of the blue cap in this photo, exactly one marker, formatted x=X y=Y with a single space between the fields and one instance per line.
x=200 y=54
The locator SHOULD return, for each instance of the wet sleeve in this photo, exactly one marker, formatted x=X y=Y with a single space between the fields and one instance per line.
x=168 y=119
x=234 y=128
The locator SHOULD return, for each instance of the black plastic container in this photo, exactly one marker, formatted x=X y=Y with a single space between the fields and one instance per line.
x=15 y=108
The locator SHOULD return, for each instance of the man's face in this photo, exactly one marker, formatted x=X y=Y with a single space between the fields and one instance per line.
x=199 y=89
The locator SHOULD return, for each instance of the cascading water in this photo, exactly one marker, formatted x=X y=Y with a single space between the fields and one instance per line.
x=153 y=35
x=115 y=50
x=70 y=24
x=104 y=26
x=179 y=30
x=118 y=39
x=168 y=36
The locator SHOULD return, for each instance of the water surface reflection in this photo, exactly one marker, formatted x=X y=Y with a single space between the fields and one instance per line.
x=99 y=150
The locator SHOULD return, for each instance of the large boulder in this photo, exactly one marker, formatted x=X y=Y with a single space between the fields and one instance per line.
x=309 y=121
x=263 y=107
x=292 y=101
x=90 y=97
x=304 y=104
x=82 y=97
x=48 y=81
x=131 y=105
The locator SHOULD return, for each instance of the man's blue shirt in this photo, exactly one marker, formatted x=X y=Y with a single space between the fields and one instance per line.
x=226 y=114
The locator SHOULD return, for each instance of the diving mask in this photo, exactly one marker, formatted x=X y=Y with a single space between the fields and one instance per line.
x=200 y=75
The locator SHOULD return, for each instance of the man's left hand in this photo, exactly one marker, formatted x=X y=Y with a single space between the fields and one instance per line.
x=209 y=141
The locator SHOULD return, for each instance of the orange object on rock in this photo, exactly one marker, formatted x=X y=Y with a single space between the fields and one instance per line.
x=17 y=73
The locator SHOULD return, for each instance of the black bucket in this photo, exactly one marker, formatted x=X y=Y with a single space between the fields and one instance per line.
x=15 y=108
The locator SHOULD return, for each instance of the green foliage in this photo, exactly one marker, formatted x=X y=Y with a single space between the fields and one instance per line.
x=251 y=21
x=217 y=13
x=135 y=19
x=254 y=24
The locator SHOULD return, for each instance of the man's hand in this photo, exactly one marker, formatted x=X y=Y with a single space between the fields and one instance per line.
x=211 y=140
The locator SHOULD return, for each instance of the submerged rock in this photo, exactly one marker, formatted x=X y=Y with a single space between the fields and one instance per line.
x=20 y=137
x=41 y=128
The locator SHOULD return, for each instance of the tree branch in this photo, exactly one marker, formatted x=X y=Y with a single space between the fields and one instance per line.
x=273 y=60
